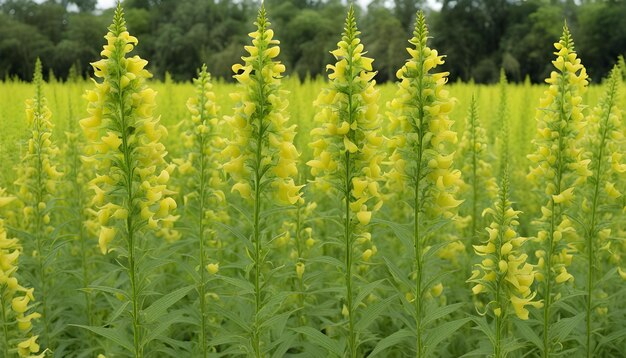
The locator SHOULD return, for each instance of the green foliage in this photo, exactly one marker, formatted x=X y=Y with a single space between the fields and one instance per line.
x=333 y=273
x=478 y=36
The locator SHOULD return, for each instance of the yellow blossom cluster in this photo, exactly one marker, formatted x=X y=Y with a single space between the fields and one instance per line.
x=125 y=148
x=605 y=145
x=297 y=235
x=37 y=174
x=605 y=139
x=559 y=165
x=479 y=183
x=504 y=273
x=347 y=143
x=419 y=119
x=261 y=150
x=11 y=291
x=199 y=168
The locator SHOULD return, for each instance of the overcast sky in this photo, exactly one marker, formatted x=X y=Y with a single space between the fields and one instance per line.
x=105 y=4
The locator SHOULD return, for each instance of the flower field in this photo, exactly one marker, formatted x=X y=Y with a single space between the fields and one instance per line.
x=335 y=217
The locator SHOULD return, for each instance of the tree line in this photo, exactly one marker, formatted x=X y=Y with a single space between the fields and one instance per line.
x=478 y=36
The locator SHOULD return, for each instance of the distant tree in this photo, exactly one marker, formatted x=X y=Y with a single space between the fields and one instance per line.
x=386 y=39
x=604 y=36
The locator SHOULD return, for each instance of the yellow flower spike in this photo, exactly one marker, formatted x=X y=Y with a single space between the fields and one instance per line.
x=508 y=283
x=348 y=146
x=36 y=185
x=561 y=167
x=260 y=159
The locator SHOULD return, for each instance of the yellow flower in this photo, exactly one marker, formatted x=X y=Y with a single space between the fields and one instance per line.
x=29 y=346
x=213 y=268
x=364 y=217
x=565 y=197
x=243 y=189
x=437 y=290
x=611 y=191
x=300 y=270
x=519 y=305
x=24 y=324
x=563 y=276
x=107 y=234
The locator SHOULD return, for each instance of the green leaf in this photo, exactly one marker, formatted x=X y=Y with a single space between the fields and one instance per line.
x=159 y=307
x=284 y=343
x=397 y=274
x=371 y=312
x=321 y=340
x=612 y=337
x=164 y=323
x=110 y=290
x=365 y=291
x=246 y=286
x=440 y=312
x=403 y=232
x=527 y=333
x=485 y=327
x=117 y=336
x=441 y=332
x=565 y=326
x=328 y=260
x=118 y=311
x=391 y=341
x=483 y=351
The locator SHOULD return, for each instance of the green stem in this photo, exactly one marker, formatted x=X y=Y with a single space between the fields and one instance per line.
x=130 y=227
x=348 y=259
x=352 y=345
x=474 y=181
x=300 y=253
x=501 y=305
x=553 y=209
x=201 y=237
x=592 y=227
x=257 y=254
x=39 y=227
x=84 y=250
x=419 y=128
x=258 y=177
x=5 y=329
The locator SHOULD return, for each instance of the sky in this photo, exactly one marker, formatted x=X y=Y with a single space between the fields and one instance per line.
x=105 y=4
